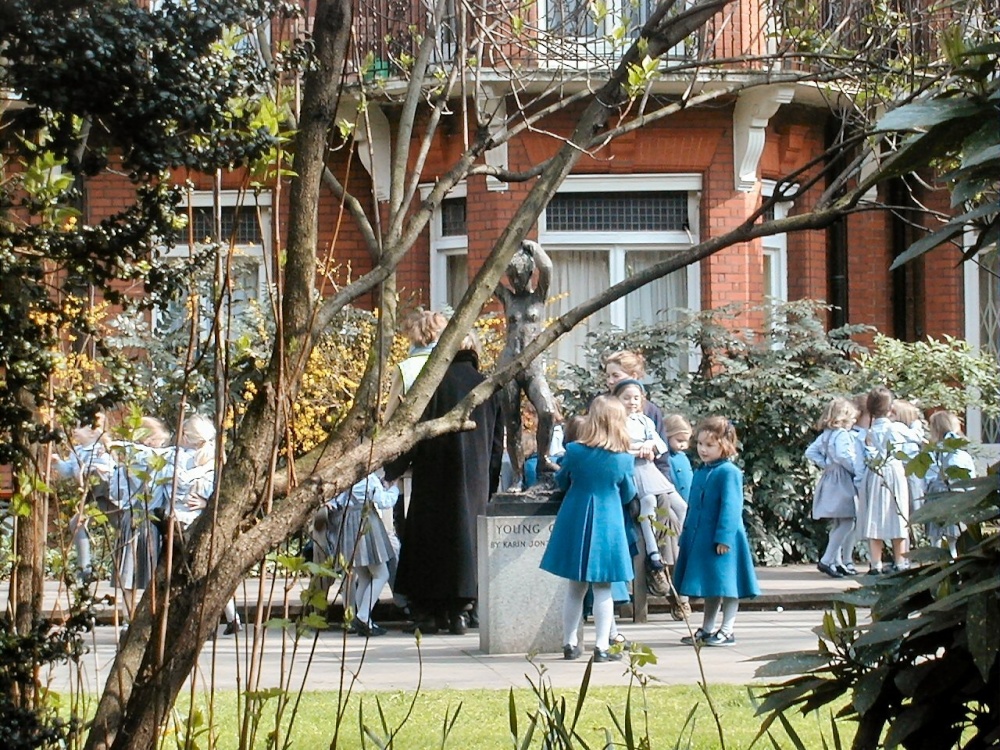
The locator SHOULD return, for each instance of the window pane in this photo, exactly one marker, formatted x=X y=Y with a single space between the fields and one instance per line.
x=769 y=290
x=458 y=278
x=628 y=212
x=658 y=300
x=570 y=18
x=453 y=217
x=577 y=276
x=244 y=219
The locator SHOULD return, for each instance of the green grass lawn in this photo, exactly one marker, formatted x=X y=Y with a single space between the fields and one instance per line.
x=483 y=722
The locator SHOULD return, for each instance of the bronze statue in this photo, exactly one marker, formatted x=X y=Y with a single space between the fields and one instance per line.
x=524 y=310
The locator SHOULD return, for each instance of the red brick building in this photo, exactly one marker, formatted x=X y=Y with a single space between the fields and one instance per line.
x=655 y=191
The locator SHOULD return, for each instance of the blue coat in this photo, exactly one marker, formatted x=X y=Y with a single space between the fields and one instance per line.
x=588 y=541
x=681 y=473
x=715 y=516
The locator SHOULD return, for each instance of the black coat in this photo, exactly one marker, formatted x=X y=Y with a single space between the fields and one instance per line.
x=454 y=476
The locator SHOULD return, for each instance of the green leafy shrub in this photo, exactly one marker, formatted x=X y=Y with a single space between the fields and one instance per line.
x=947 y=373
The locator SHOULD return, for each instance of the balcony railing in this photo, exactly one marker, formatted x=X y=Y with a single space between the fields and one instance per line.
x=517 y=36
x=514 y=35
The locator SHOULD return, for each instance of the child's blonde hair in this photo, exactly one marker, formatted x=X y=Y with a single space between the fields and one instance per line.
x=198 y=434
x=633 y=363
x=571 y=431
x=424 y=327
x=941 y=423
x=723 y=431
x=153 y=432
x=676 y=424
x=604 y=425
x=839 y=413
x=906 y=412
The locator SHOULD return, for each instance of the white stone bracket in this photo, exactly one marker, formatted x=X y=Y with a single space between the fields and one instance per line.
x=492 y=112
x=754 y=108
x=374 y=141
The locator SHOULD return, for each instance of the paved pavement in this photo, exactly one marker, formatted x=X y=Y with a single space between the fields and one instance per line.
x=781 y=620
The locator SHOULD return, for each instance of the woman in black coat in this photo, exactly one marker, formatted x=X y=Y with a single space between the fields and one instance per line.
x=454 y=476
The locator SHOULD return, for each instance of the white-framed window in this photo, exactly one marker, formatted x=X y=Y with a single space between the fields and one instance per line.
x=601 y=229
x=775 y=249
x=244 y=257
x=449 y=249
x=982 y=331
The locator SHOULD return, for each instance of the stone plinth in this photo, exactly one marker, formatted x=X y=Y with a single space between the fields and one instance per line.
x=520 y=605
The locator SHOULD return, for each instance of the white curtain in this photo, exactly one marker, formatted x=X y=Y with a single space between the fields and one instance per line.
x=577 y=276
x=659 y=300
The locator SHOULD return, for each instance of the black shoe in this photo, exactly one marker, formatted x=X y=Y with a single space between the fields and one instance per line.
x=847 y=570
x=426 y=626
x=719 y=638
x=831 y=571
x=699 y=637
x=621 y=640
x=572 y=652
x=368 y=629
x=233 y=627
x=601 y=656
x=457 y=624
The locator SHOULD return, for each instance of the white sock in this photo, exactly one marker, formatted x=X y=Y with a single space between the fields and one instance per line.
x=573 y=610
x=604 y=615
x=371 y=580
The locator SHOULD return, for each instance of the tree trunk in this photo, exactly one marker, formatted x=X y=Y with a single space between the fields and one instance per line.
x=28 y=575
x=160 y=651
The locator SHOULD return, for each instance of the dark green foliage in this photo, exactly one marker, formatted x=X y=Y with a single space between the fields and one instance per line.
x=772 y=384
x=925 y=671
x=25 y=728
x=154 y=81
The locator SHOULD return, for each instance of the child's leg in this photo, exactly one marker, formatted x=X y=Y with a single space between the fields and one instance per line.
x=647 y=512
x=899 y=549
x=371 y=580
x=232 y=618
x=81 y=541
x=846 y=554
x=839 y=531
x=573 y=610
x=604 y=615
x=712 y=605
x=730 y=606
x=875 y=554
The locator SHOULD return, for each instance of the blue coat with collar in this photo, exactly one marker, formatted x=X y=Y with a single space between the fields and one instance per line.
x=588 y=541
x=715 y=516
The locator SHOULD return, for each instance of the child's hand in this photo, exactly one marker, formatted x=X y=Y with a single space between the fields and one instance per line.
x=646 y=451
x=721 y=549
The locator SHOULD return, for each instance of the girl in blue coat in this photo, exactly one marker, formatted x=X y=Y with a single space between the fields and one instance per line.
x=588 y=545
x=714 y=559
